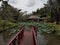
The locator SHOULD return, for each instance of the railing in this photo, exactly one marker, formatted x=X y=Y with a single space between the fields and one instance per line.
x=34 y=36
x=35 y=29
x=17 y=38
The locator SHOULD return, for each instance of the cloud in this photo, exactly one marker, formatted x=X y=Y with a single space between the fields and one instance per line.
x=0 y=3
x=12 y=2
x=27 y=5
x=31 y=3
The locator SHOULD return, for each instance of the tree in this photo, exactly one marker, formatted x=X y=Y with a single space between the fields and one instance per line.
x=9 y=13
x=55 y=10
x=52 y=9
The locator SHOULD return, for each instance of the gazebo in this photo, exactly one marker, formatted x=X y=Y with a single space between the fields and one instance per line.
x=34 y=18
x=37 y=18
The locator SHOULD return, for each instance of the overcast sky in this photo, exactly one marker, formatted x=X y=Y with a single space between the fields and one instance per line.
x=27 y=5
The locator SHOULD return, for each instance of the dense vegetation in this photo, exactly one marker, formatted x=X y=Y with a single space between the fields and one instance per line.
x=50 y=10
x=43 y=27
x=5 y=25
x=9 y=16
x=9 y=13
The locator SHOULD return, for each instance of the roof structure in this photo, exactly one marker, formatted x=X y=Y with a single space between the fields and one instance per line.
x=34 y=17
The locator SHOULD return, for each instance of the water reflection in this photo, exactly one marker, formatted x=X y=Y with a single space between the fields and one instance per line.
x=6 y=35
x=3 y=37
x=48 y=39
x=41 y=39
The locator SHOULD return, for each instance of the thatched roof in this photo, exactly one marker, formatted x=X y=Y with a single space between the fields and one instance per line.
x=34 y=17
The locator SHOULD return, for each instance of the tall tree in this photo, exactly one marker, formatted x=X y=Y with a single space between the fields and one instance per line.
x=9 y=13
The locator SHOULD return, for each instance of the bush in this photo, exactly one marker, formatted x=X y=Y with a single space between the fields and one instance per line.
x=4 y=25
x=43 y=27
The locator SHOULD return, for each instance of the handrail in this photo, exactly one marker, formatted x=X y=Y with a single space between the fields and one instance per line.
x=16 y=39
x=34 y=36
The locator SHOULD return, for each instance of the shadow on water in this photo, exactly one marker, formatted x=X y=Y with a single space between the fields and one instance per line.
x=47 y=39
x=6 y=36
x=43 y=39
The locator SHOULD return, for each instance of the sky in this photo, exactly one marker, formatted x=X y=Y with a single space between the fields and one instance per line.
x=27 y=5
x=0 y=3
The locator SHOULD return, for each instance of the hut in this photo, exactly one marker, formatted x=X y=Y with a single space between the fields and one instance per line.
x=38 y=19
x=34 y=18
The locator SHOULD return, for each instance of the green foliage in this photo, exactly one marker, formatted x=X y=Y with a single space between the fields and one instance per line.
x=7 y=12
x=54 y=9
x=43 y=27
x=4 y=25
x=51 y=9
